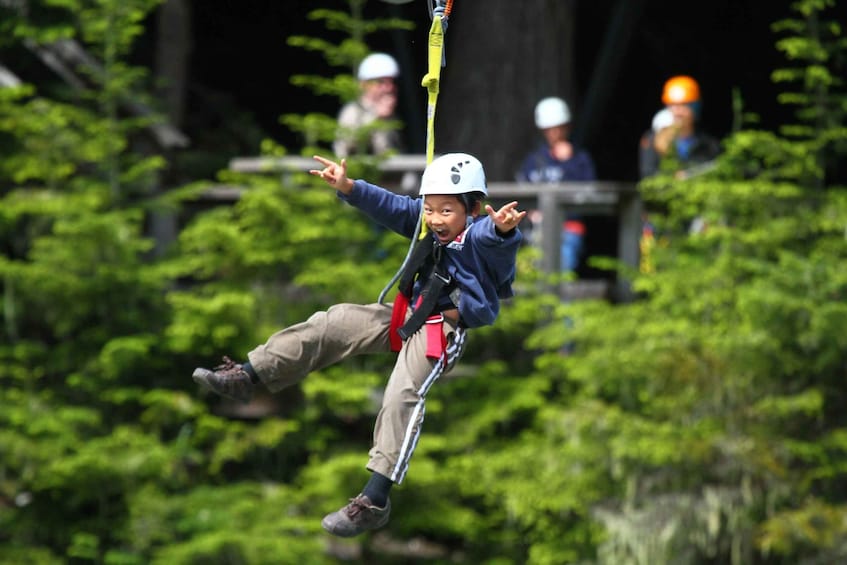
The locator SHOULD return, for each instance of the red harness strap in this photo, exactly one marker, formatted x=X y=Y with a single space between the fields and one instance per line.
x=398 y=316
x=436 y=342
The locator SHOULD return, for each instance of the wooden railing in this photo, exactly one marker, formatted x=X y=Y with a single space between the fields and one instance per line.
x=391 y=166
x=615 y=199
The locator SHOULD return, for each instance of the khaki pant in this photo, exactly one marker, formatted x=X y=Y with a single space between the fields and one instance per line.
x=345 y=330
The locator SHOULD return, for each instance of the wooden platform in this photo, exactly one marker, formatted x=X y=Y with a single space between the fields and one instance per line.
x=618 y=200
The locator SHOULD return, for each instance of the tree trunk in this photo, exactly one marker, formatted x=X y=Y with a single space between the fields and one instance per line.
x=502 y=57
x=173 y=51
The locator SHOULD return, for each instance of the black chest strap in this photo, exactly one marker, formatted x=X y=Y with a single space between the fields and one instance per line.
x=423 y=255
x=426 y=260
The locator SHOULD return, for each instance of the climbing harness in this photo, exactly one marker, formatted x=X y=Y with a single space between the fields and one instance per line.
x=425 y=264
x=440 y=12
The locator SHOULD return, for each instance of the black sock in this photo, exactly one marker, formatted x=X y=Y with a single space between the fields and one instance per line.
x=377 y=489
x=248 y=368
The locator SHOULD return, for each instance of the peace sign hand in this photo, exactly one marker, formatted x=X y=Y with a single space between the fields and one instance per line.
x=506 y=218
x=334 y=174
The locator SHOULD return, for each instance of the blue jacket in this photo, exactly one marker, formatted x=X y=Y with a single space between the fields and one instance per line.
x=480 y=261
x=700 y=148
x=540 y=166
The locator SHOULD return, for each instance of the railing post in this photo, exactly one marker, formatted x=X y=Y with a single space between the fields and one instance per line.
x=629 y=233
x=551 y=230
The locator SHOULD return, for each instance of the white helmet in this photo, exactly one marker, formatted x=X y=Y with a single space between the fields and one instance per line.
x=551 y=112
x=378 y=65
x=454 y=173
x=662 y=119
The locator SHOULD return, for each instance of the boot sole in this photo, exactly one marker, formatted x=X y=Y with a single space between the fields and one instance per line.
x=327 y=525
x=201 y=377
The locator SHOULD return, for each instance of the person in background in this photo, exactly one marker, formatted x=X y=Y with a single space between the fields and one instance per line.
x=364 y=124
x=674 y=143
x=662 y=122
x=682 y=140
x=555 y=160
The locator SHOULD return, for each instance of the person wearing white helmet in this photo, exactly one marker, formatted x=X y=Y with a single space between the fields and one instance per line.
x=367 y=125
x=453 y=280
x=556 y=160
x=661 y=120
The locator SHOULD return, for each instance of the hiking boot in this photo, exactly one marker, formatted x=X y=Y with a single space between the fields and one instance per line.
x=358 y=516
x=229 y=380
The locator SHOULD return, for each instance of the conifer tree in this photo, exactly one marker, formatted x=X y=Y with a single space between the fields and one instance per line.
x=81 y=306
x=702 y=422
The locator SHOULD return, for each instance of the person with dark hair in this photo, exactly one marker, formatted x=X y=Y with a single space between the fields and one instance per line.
x=453 y=280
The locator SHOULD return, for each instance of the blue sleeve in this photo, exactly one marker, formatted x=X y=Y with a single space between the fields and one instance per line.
x=500 y=252
x=586 y=169
x=485 y=272
x=486 y=233
x=397 y=212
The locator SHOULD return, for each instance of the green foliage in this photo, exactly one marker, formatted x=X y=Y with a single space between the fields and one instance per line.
x=720 y=384
x=701 y=423
x=81 y=305
x=238 y=523
x=106 y=457
x=353 y=31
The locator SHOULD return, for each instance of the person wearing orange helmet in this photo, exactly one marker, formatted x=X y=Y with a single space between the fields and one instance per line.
x=681 y=140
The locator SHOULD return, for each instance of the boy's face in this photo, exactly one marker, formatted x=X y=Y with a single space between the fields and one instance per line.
x=445 y=215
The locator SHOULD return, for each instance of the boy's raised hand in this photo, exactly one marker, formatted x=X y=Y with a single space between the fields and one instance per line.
x=334 y=174
x=506 y=218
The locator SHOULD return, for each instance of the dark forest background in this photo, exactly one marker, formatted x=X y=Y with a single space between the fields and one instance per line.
x=608 y=58
x=701 y=422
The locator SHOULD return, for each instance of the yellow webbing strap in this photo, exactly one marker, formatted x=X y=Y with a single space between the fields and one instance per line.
x=431 y=82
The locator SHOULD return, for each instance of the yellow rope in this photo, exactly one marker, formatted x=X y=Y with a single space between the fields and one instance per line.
x=431 y=82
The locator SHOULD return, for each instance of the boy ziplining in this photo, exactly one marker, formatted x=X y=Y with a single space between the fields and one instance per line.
x=454 y=280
